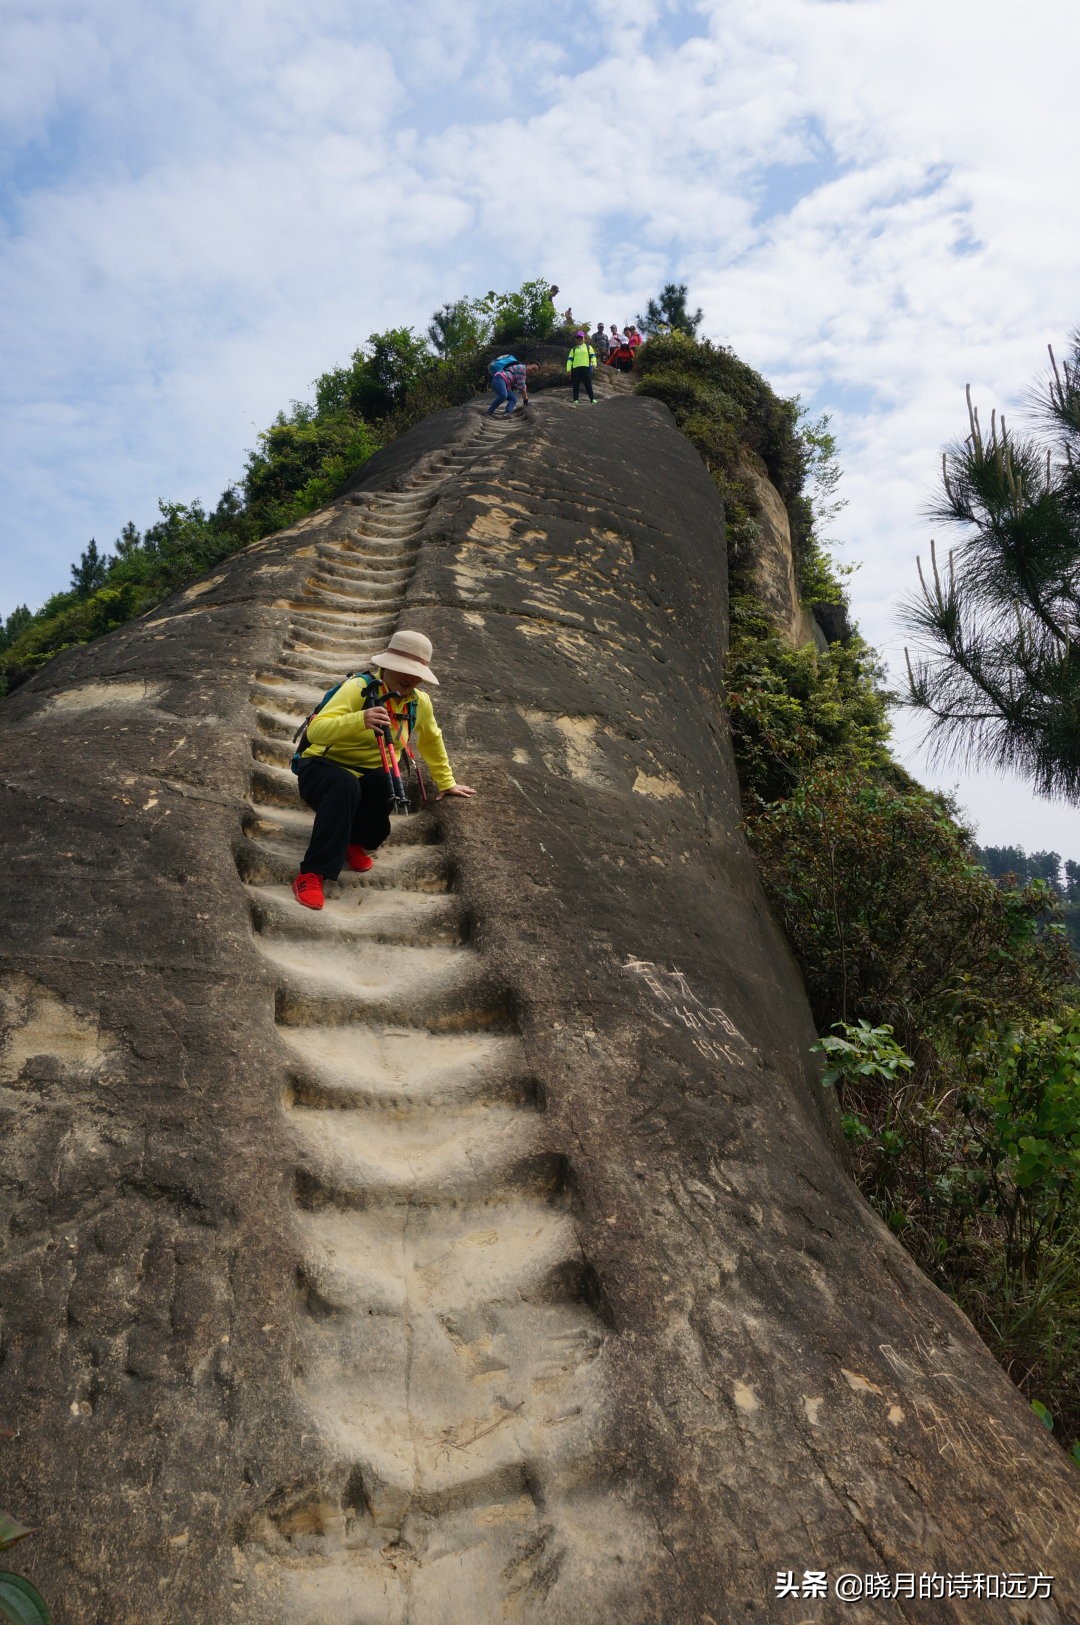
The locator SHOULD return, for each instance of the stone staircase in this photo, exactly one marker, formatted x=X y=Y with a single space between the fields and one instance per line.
x=451 y=1356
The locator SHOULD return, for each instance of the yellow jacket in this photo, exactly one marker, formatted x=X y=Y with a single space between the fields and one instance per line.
x=339 y=733
x=582 y=355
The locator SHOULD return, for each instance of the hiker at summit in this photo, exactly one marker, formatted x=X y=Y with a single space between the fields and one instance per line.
x=616 y=338
x=599 y=342
x=579 y=364
x=510 y=378
x=341 y=773
x=622 y=356
x=633 y=338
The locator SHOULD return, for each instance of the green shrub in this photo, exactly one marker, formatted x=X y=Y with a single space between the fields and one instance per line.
x=302 y=463
x=953 y=1052
x=792 y=709
x=889 y=917
x=736 y=397
x=737 y=422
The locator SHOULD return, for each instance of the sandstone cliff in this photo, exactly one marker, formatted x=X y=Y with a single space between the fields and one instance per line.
x=479 y=1249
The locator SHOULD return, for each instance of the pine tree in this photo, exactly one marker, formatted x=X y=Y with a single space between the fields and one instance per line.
x=668 y=313
x=90 y=572
x=998 y=621
x=1072 y=881
x=19 y=619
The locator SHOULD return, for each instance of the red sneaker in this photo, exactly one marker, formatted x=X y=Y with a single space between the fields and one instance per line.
x=307 y=889
x=358 y=859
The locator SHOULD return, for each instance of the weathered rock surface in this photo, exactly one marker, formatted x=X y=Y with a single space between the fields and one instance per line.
x=479 y=1249
x=772 y=564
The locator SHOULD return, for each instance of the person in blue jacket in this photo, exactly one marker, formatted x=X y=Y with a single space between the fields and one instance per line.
x=507 y=383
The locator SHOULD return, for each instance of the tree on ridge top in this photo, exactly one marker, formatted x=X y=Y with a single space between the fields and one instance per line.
x=668 y=312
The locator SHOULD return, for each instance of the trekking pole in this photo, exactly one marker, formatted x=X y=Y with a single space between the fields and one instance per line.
x=399 y=799
x=419 y=773
x=384 y=757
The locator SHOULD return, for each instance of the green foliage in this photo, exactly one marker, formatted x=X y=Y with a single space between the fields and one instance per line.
x=11 y=1532
x=889 y=918
x=458 y=329
x=998 y=624
x=952 y=1048
x=526 y=313
x=738 y=423
x=1009 y=864
x=669 y=313
x=302 y=464
x=794 y=708
x=741 y=409
x=858 y=1053
x=20 y=1602
x=939 y=991
x=90 y=572
x=1031 y=1321
x=1025 y=1119
x=1005 y=861
x=1043 y=1414
x=14 y=626
x=450 y=383
x=376 y=380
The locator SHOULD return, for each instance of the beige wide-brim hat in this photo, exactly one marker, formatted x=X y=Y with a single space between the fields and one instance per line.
x=409 y=652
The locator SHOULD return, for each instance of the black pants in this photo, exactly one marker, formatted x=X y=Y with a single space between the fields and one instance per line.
x=349 y=811
x=579 y=376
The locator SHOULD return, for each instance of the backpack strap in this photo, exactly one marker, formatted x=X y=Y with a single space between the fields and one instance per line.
x=300 y=737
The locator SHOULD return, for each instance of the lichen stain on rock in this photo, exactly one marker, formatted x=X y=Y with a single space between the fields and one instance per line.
x=105 y=696
x=812 y=1407
x=578 y=757
x=202 y=586
x=36 y=1023
x=575 y=646
x=546 y=607
x=660 y=787
x=500 y=502
x=859 y=1384
x=468 y=582
x=495 y=526
x=745 y=1398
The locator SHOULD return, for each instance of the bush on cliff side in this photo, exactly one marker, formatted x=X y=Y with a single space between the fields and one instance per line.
x=972 y=1155
x=792 y=708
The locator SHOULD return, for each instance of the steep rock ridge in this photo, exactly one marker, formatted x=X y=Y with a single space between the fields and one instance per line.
x=449 y=1352
x=228 y=1138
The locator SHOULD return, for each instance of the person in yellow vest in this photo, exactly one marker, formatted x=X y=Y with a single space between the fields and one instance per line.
x=341 y=776
x=579 y=364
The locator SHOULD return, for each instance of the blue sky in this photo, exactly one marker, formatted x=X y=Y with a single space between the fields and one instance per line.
x=204 y=207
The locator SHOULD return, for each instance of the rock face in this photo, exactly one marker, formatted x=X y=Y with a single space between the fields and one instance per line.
x=773 y=565
x=479 y=1249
